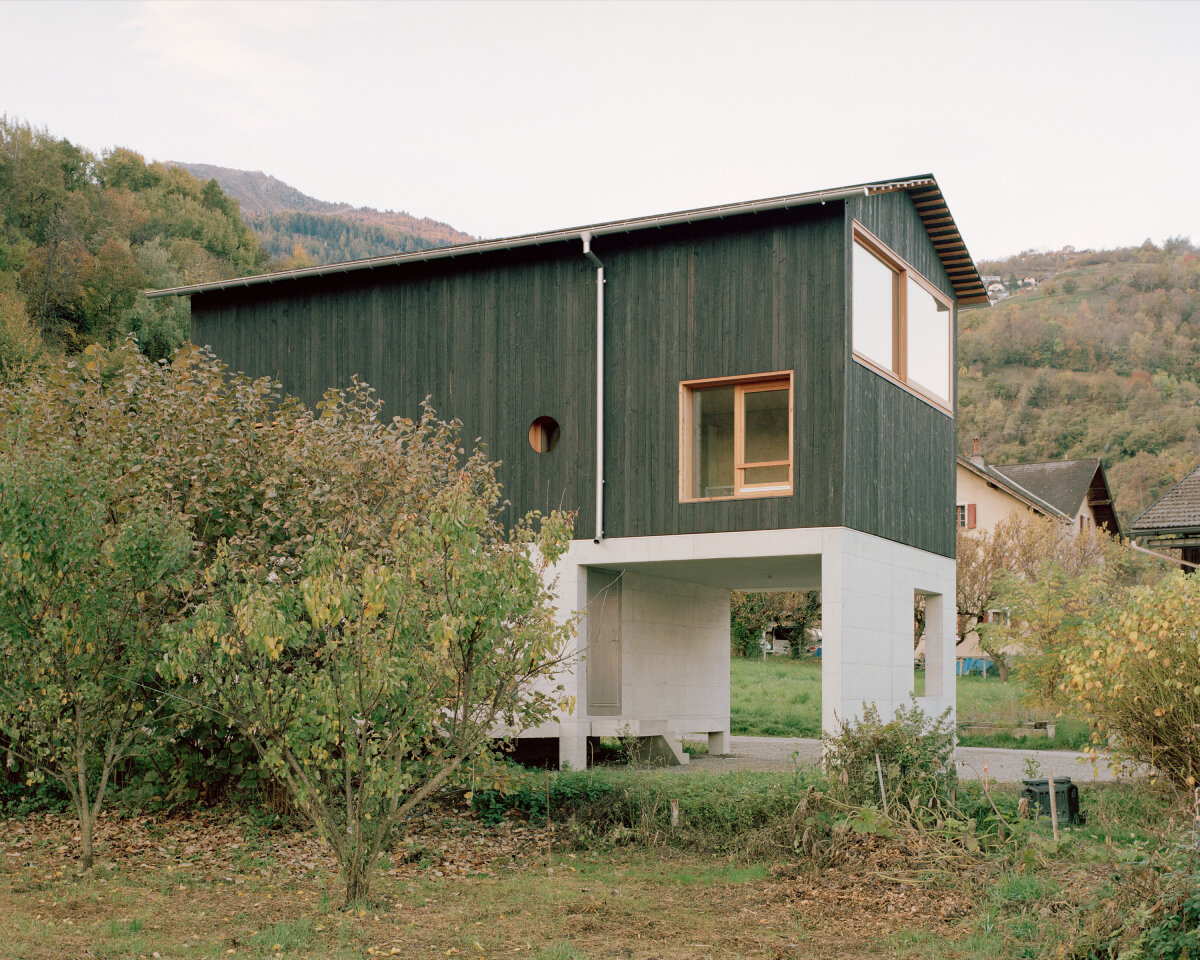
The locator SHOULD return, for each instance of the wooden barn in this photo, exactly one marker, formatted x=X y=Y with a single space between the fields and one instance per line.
x=752 y=396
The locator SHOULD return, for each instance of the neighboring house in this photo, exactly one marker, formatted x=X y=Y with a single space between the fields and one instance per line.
x=1173 y=522
x=756 y=396
x=997 y=290
x=1075 y=492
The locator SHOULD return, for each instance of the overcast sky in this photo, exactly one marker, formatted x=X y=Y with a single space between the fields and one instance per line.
x=1045 y=124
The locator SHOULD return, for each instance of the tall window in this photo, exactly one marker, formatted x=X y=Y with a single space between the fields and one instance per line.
x=736 y=437
x=903 y=325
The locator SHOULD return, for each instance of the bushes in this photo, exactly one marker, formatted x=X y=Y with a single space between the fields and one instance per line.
x=1137 y=675
x=913 y=752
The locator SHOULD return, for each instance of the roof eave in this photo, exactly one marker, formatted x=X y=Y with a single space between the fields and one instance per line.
x=927 y=198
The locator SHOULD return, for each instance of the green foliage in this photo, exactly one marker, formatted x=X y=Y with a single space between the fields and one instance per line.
x=914 y=752
x=364 y=618
x=1175 y=936
x=93 y=563
x=1104 y=363
x=1135 y=671
x=752 y=613
x=81 y=238
x=525 y=795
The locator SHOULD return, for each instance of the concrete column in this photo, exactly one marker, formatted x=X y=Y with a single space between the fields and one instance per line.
x=868 y=591
x=572 y=751
x=718 y=743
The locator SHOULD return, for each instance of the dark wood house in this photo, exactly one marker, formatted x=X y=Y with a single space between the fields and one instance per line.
x=758 y=396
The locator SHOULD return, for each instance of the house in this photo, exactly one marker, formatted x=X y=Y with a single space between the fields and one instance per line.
x=754 y=396
x=1074 y=492
x=1173 y=522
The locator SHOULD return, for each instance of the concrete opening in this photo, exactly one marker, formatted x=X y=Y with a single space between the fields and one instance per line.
x=655 y=638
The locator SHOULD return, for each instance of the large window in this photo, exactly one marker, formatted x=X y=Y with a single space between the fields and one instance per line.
x=903 y=325
x=736 y=437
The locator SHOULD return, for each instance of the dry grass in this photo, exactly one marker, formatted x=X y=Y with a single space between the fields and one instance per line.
x=217 y=887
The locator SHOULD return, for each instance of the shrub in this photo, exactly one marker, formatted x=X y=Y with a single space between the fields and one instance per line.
x=914 y=752
x=1137 y=675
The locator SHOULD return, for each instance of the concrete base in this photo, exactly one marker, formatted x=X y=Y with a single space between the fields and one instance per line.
x=671 y=661
x=718 y=743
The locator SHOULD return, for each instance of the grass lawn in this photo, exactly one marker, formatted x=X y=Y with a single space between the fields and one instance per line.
x=218 y=886
x=775 y=698
x=782 y=698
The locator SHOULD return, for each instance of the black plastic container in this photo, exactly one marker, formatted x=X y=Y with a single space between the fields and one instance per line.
x=1066 y=799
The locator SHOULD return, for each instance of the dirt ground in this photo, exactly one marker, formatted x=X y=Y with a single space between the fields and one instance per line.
x=212 y=886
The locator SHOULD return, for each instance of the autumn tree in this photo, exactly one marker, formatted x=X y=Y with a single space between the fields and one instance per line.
x=1022 y=546
x=412 y=629
x=1135 y=672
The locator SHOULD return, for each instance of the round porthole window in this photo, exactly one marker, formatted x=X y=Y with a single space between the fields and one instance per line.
x=543 y=434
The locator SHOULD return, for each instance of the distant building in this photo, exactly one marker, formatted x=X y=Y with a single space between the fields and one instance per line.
x=1074 y=492
x=1173 y=521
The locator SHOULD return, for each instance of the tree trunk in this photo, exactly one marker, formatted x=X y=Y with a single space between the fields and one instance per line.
x=358 y=882
x=86 y=822
x=1002 y=669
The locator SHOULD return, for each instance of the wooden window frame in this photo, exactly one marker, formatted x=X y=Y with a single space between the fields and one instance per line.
x=752 y=383
x=966 y=520
x=901 y=272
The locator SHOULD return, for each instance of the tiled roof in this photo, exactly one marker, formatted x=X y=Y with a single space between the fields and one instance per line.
x=995 y=477
x=1063 y=483
x=1177 y=510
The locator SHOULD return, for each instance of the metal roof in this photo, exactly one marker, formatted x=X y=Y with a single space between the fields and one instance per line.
x=925 y=193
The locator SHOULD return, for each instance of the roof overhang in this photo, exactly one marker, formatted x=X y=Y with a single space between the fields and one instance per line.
x=925 y=193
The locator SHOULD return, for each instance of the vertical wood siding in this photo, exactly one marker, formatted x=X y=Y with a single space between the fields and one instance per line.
x=900 y=479
x=502 y=339
x=495 y=344
x=736 y=297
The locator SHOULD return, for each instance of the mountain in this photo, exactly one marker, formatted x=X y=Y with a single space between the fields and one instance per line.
x=299 y=230
x=1092 y=354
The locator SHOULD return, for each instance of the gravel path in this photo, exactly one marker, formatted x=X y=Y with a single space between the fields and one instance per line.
x=1004 y=766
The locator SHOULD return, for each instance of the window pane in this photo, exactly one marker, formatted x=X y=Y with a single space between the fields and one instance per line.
x=766 y=426
x=872 y=306
x=928 y=341
x=712 y=442
x=779 y=475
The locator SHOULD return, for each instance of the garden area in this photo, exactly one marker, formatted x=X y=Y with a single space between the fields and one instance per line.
x=760 y=865
x=252 y=658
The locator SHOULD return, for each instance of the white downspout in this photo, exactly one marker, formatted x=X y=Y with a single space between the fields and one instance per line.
x=587 y=252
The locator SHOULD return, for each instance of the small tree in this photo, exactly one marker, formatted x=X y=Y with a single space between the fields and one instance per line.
x=85 y=587
x=412 y=631
x=1136 y=672
x=1019 y=546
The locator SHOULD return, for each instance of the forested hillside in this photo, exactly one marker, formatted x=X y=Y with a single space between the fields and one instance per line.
x=1102 y=359
x=300 y=230
x=82 y=236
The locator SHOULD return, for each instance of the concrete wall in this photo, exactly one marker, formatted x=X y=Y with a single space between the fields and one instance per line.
x=675 y=626
x=868 y=591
